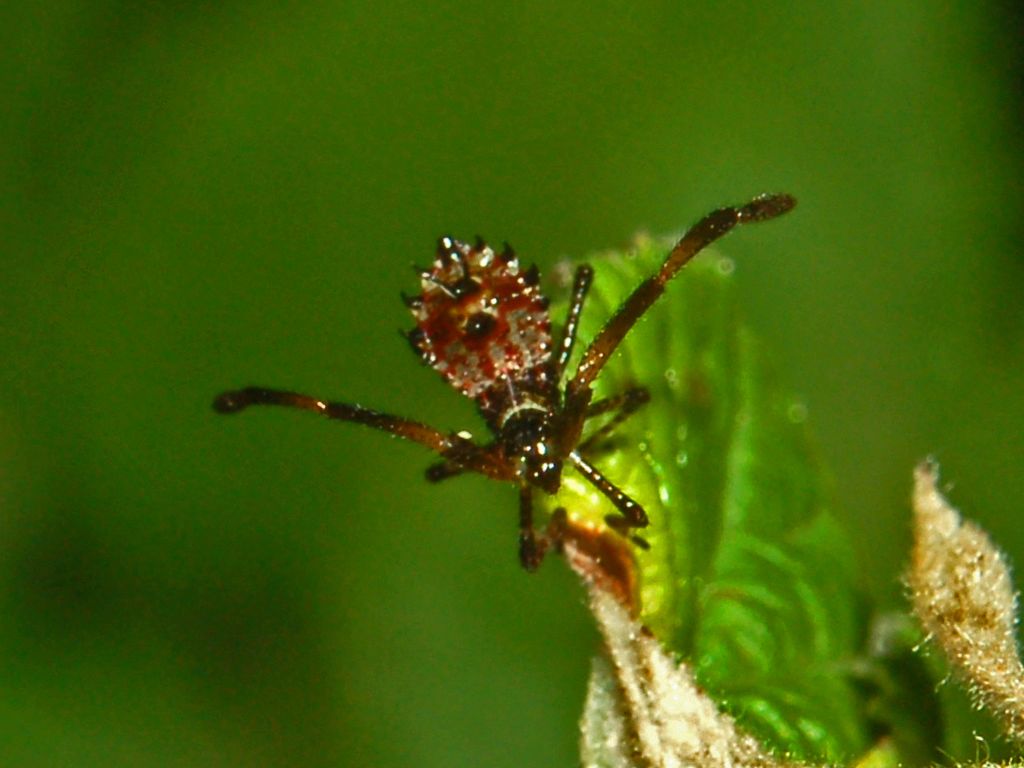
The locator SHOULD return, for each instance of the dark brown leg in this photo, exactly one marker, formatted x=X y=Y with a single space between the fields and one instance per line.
x=633 y=515
x=618 y=401
x=625 y=404
x=580 y=286
x=533 y=547
x=701 y=235
x=239 y=400
x=530 y=554
x=554 y=534
x=442 y=470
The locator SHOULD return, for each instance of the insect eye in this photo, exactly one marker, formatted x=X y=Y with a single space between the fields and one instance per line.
x=479 y=324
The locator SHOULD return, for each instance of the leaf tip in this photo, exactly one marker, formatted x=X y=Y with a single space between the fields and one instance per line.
x=963 y=595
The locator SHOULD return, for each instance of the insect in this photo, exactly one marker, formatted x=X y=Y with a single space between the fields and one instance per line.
x=483 y=324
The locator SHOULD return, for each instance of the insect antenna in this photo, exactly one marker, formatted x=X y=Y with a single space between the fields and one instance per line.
x=580 y=287
x=633 y=515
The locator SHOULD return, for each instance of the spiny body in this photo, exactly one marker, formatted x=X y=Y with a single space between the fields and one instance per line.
x=483 y=324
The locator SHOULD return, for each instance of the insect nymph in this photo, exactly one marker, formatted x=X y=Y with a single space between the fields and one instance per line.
x=483 y=324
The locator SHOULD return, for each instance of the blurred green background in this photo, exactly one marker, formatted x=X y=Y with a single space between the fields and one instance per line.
x=202 y=195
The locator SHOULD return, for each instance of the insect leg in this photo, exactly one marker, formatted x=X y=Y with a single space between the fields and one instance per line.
x=630 y=399
x=442 y=470
x=239 y=400
x=580 y=287
x=530 y=553
x=555 y=532
x=633 y=515
x=700 y=235
x=624 y=404
x=533 y=547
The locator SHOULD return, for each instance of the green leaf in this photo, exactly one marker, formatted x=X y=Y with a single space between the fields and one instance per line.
x=748 y=576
